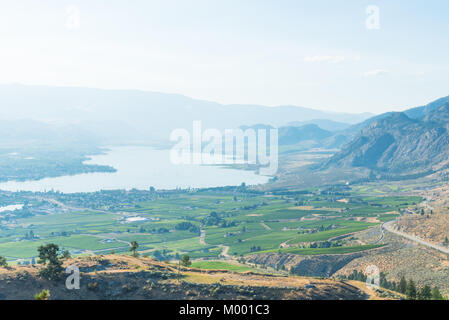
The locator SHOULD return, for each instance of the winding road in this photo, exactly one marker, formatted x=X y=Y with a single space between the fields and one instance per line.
x=382 y=235
x=390 y=228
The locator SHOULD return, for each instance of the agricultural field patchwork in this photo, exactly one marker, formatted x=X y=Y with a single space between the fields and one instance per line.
x=205 y=224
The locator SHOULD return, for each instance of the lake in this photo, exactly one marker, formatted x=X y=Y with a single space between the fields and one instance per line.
x=140 y=167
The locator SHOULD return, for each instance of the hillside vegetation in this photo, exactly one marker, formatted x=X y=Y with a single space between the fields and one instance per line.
x=125 y=277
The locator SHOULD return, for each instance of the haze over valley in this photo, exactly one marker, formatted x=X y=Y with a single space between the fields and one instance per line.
x=224 y=150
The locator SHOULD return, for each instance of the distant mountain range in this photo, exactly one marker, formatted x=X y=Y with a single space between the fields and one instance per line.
x=413 y=142
x=124 y=115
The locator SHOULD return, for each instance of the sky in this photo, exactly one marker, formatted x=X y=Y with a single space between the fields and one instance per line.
x=334 y=55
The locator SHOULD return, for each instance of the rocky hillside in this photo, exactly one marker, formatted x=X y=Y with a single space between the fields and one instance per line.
x=396 y=145
x=314 y=266
x=124 y=277
x=431 y=220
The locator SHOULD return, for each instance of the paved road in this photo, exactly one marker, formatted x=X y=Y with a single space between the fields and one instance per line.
x=389 y=226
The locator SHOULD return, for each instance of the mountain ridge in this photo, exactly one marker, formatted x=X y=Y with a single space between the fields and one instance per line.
x=396 y=144
x=143 y=114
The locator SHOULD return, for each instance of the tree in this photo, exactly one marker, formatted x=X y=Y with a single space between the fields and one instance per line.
x=43 y=295
x=411 y=290
x=3 y=262
x=48 y=255
x=425 y=293
x=436 y=295
x=185 y=261
x=402 y=285
x=133 y=248
x=65 y=255
x=383 y=282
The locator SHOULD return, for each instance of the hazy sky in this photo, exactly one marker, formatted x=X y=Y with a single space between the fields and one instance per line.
x=320 y=54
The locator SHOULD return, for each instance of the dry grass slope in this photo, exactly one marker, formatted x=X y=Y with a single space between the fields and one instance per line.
x=125 y=277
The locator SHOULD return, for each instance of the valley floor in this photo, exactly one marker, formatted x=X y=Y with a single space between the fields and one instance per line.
x=327 y=232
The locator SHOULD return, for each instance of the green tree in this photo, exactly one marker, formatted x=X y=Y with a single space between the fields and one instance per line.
x=43 y=295
x=48 y=255
x=3 y=262
x=436 y=295
x=425 y=293
x=65 y=255
x=402 y=285
x=410 y=292
x=185 y=261
x=133 y=248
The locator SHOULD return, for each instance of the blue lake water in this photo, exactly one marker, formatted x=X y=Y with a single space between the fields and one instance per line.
x=140 y=167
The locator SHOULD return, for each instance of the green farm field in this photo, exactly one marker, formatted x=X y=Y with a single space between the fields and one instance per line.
x=209 y=224
x=220 y=265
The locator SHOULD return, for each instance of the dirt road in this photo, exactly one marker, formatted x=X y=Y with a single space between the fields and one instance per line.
x=203 y=237
x=265 y=226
